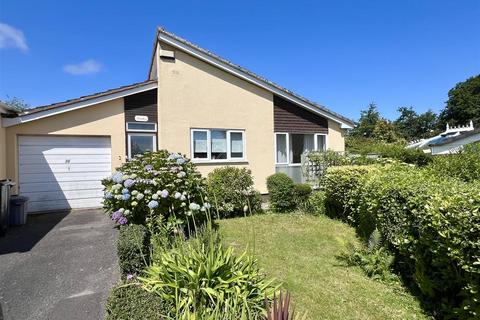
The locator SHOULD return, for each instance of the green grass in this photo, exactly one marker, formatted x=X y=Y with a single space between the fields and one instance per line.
x=301 y=251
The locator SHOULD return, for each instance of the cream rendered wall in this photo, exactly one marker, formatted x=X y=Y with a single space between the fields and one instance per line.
x=335 y=139
x=104 y=119
x=3 y=143
x=194 y=94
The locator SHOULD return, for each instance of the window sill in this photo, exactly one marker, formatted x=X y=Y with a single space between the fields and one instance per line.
x=223 y=161
x=288 y=164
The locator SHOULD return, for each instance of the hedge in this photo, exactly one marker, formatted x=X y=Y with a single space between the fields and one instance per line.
x=132 y=302
x=132 y=248
x=430 y=224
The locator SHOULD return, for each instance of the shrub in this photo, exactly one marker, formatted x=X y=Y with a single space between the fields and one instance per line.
x=430 y=224
x=230 y=190
x=301 y=194
x=464 y=165
x=132 y=249
x=316 y=203
x=132 y=302
x=159 y=189
x=281 y=190
x=201 y=277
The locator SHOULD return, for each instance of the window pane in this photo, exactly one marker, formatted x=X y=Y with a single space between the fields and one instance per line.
x=296 y=148
x=200 y=144
x=140 y=144
x=308 y=142
x=281 y=148
x=321 y=145
x=219 y=144
x=141 y=126
x=236 y=145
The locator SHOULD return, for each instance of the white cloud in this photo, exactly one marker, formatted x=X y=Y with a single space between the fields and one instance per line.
x=85 y=67
x=12 y=38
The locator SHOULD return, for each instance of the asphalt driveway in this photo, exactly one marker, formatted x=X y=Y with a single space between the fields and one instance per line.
x=58 y=266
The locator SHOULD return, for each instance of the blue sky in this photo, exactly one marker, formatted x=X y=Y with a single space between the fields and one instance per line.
x=342 y=54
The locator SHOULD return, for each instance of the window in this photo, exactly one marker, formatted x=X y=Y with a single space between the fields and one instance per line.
x=321 y=142
x=218 y=145
x=200 y=144
x=281 y=148
x=289 y=147
x=138 y=143
x=142 y=126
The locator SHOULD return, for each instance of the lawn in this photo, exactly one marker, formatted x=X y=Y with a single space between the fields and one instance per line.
x=301 y=251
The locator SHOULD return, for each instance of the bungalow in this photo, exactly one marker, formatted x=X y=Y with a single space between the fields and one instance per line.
x=193 y=102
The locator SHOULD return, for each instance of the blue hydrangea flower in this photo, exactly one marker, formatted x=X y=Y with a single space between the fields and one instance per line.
x=173 y=156
x=180 y=161
x=148 y=167
x=117 y=177
x=164 y=193
x=128 y=183
x=152 y=204
x=125 y=197
x=108 y=195
x=122 y=220
x=125 y=191
x=116 y=215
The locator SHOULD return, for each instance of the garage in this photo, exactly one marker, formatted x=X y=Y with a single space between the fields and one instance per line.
x=63 y=172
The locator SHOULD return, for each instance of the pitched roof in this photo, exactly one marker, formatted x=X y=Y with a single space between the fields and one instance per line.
x=78 y=103
x=448 y=139
x=183 y=44
x=85 y=98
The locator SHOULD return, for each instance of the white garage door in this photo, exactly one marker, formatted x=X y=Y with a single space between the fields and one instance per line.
x=63 y=172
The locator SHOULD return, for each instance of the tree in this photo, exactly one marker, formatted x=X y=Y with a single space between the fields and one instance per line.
x=16 y=103
x=463 y=104
x=385 y=131
x=367 y=122
x=411 y=125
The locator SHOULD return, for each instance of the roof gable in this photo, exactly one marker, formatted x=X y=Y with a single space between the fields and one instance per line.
x=176 y=42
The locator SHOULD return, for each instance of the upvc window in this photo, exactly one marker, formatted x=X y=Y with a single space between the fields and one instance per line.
x=289 y=147
x=142 y=126
x=217 y=145
x=138 y=143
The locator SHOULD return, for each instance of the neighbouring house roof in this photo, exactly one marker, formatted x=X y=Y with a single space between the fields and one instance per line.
x=442 y=140
x=6 y=109
x=81 y=102
x=210 y=57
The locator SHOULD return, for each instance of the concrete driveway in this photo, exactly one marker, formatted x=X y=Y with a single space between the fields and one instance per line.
x=58 y=266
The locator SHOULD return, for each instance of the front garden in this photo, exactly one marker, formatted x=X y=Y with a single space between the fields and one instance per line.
x=195 y=248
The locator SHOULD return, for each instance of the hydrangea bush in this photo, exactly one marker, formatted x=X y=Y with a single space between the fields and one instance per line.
x=158 y=189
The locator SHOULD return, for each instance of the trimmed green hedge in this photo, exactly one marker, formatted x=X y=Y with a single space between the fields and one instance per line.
x=281 y=189
x=132 y=248
x=431 y=224
x=132 y=302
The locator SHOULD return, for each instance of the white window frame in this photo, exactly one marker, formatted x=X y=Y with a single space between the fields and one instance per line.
x=316 y=141
x=129 y=135
x=287 y=141
x=288 y=134
x=140 y=130
x=209 y=159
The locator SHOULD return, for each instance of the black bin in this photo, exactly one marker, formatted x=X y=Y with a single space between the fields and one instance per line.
x=5 y=186
x=18 y=210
